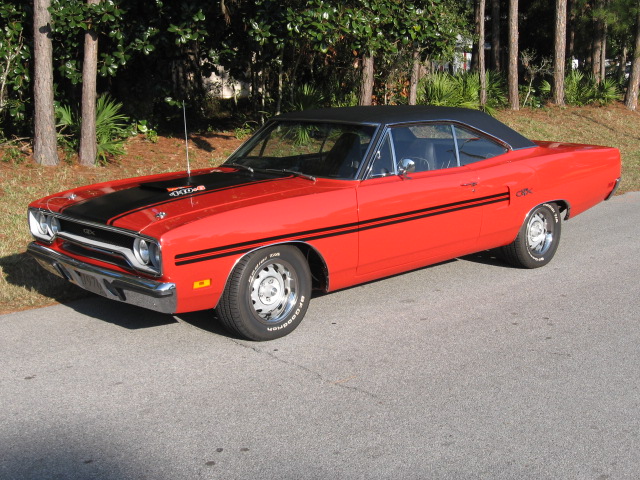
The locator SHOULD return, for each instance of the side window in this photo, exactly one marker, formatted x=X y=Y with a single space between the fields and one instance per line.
x=431 y=146
x=383 y=164
x=473 y=147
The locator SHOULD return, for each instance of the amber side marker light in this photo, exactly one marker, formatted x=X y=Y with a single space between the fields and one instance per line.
x=202 y=283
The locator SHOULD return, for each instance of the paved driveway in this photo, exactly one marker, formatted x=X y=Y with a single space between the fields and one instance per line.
x=467 y=369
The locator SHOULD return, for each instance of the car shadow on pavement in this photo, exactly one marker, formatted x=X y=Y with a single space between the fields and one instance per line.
x=120 y=314
x=207 y=321
x=488 y=257
x=134 y=318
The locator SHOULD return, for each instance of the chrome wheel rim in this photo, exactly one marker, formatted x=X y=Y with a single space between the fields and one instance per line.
x=273 y=292
x=539 y=234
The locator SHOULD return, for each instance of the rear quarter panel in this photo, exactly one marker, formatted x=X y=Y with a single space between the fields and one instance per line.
x=579 y=176
x=583 y=175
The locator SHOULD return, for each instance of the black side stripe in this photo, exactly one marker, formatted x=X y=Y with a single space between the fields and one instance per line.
x=320 y=233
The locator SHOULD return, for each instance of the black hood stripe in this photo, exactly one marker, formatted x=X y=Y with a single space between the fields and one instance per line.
x=308 y=235
x=111 y=207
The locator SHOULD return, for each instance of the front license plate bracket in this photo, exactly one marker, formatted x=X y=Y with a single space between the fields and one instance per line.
x=91 y=284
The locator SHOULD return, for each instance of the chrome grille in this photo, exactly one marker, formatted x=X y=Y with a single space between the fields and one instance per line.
x=92 y=233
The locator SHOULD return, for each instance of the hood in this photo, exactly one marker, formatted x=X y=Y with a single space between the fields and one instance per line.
x=170 y=200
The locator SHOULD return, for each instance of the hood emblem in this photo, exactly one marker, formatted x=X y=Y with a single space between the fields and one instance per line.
x=160 y=215
x=185 y=190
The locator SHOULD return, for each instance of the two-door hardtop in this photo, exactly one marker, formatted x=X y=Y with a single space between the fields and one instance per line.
x=321 y=199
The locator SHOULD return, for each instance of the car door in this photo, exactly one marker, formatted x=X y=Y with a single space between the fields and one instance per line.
x=429 y=212
x=501 y=177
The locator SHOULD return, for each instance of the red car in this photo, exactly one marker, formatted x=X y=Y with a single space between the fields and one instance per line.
x=322 y=200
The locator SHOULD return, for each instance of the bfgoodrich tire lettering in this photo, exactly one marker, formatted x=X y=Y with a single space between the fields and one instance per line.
x=267 y=294
x=538 y=239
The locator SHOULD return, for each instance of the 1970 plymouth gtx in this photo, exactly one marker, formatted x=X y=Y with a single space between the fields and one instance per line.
x=322 y=200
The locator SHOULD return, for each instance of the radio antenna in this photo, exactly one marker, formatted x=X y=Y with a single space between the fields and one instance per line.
x=186 y=139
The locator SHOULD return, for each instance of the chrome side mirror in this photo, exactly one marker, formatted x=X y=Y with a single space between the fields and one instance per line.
x=406 y=166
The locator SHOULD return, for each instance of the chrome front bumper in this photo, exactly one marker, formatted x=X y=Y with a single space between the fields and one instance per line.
x=122 y=287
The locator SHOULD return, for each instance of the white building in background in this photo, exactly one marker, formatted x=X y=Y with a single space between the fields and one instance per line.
x=222 y=85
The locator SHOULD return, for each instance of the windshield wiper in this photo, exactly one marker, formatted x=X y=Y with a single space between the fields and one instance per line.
x=238 y=166
x=292 y=172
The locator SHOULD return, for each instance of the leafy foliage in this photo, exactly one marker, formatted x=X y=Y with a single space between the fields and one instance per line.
x=581 y=89
x=463 y=90
x=109 y=19
x=111 y=128
x=15 y=74
x=306 y=97
x=154 y=54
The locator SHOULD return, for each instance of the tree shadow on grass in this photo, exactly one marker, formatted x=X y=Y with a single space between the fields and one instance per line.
x=202 y=144
x=23 y=271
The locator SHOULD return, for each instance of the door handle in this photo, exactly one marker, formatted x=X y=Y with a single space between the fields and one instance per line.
x=472 y=184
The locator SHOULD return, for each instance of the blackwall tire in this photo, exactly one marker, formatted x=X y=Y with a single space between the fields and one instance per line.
x=267 y=294
x=538 y=239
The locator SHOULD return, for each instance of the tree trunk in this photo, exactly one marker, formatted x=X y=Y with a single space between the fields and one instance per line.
x=44 y=142
x=366 y=88
x=514 y=100
x=476 y=30
x=88 y=141
x=481 y=56
x=598 y=43
x=622 y=63
x=603 y=54
x=571 y=31
x=280 y=77
x=631 y=97
x=560 y=53
x=415 y=78
x=495 y=35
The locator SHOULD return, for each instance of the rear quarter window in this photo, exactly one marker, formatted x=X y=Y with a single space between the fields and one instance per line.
x=473 y=147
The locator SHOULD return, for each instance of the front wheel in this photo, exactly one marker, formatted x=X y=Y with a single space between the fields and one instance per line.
x=538 y=239
x=267 y=294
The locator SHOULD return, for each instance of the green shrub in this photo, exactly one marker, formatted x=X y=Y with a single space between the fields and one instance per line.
x=111 y=128
x=306 y=97
x=581 y=89
x=461 y=90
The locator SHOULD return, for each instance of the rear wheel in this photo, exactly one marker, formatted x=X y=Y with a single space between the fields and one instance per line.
x=538 y=239
x=267 y=293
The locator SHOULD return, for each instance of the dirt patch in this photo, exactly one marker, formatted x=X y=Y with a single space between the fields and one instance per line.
x=141 y=155
x=168 y=153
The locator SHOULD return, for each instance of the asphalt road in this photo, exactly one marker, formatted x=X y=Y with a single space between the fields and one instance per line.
x=467 y=369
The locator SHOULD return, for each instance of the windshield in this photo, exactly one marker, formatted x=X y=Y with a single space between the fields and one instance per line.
x=327 y=150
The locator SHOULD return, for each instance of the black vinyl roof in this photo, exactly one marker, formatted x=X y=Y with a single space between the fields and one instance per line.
x=395 y=114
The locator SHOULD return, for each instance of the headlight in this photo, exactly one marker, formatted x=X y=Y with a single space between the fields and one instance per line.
x=54 y=225
x=143 y=251
x=147 y=252
x=155 y=258
x=43 y=226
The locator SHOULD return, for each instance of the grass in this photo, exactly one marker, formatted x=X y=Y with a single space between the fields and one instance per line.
x=23 y=284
